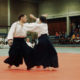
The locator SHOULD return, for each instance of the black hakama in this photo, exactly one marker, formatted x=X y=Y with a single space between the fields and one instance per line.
x=44 y=53
x=18 y=51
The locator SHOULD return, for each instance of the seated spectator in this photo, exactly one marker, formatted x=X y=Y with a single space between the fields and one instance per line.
x=60 y=34
x=66 y=36
x=63 y=35
x=77 y=36
x=6 y=41
x=57 y=35
x=1 y=39
x=73 y=37
x=1 y=45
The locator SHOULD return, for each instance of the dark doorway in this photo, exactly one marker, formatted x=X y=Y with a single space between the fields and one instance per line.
x=57 y=25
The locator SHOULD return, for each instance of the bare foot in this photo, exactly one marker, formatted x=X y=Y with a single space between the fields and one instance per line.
x=46 y=68
x=41 y=67
x=34 y=67
x=51 y=68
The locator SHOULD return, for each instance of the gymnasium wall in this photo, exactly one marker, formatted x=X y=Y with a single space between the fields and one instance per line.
x=10 y=13
x=3 y=13
x=57 y=25
x=59 y=8
x=3 y=16
x=22 y=7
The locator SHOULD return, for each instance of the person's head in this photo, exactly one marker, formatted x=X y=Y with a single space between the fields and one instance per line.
x=59 y=32
x=56 y=32
x=43 y=19
x=28 y=40
x=74 y=34
x=22 y=18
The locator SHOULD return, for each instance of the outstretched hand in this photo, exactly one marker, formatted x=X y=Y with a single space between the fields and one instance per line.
x=45 y=15
x=33 y=17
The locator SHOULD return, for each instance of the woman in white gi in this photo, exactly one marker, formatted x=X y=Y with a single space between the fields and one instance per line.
x=44 y=53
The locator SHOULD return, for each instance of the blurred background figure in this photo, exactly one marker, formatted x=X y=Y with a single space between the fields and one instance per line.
x=29 y=43
x=57 y=35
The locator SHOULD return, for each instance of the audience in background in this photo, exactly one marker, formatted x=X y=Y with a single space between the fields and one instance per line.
x=73 y=37
x=3 y=43
x=63 y=35
x=77 y=36
x=1 y=39
x=6 y=41
x=57 y=35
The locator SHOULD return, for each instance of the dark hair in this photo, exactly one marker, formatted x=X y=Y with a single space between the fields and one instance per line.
x=43 y=19
x=22 y=15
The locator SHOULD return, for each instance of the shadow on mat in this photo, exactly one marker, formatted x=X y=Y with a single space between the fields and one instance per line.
x=33 y=70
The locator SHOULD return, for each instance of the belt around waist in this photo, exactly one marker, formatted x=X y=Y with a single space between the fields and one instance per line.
x=20 y=37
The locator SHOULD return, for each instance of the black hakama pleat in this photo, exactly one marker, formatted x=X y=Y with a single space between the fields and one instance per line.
x=17 y=52
x=44 y=53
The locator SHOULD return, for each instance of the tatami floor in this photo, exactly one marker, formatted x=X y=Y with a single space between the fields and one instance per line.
x=69 y=67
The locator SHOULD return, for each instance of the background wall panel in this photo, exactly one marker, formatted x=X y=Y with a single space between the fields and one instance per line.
x=3 y=13
x=59 y=8
x=57 y=25
x=22 y=7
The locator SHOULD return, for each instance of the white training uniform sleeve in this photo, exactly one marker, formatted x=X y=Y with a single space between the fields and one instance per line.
x=32 y=27
x=11 y=31
x=37 y=20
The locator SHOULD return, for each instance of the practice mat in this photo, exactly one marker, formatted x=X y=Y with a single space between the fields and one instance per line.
x=69 y=69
